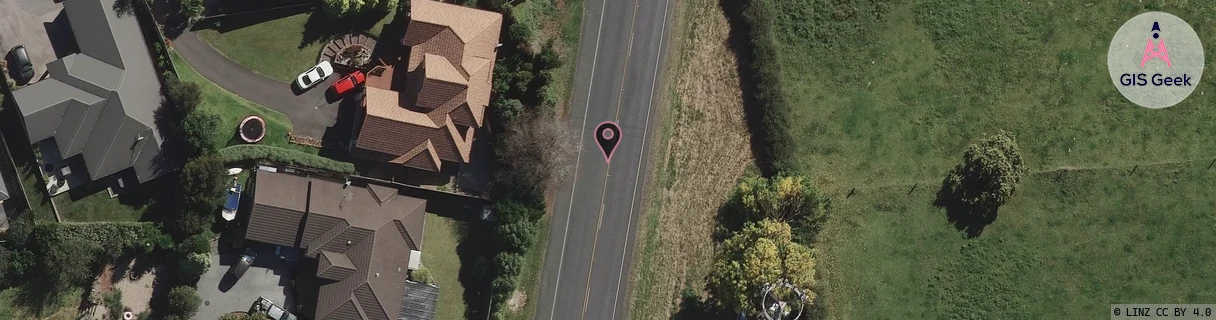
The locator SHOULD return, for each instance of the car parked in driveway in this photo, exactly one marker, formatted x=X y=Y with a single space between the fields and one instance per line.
x=20 y=60
x=349 y=82
x=315 y=75
x=242 y=265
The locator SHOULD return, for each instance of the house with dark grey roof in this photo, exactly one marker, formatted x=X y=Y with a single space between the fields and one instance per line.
x=98 y=105
x=360 y=239
x=3 y=192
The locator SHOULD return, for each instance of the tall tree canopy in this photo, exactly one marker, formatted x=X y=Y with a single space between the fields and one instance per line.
x=990 y=173
x=758 y=255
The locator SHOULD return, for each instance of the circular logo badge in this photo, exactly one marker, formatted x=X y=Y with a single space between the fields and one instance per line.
x=1155 y=60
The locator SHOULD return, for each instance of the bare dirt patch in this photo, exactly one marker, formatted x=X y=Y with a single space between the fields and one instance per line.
x=707 y=150
x=518 y=300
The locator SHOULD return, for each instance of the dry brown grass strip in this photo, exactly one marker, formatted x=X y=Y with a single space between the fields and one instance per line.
x=707 y=150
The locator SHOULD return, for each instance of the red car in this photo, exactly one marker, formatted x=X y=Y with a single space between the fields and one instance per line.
x=349 y=82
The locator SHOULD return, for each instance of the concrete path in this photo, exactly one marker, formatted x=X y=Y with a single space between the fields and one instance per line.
x=310 y=112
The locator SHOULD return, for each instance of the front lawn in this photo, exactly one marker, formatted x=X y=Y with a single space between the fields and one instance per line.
x=282 y=48
x=232 y=109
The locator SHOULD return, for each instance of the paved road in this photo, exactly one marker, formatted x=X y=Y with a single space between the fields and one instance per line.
x=309 y=111
x=586 y=272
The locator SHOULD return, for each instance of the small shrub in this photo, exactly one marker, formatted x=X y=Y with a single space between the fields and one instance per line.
x=199 y=243
x=113 y=302
x=193 y=266
x=549 y=59
x=249 y=152
x=508 y=264
x=422 y=275
x=517 y=236
x=183 y=301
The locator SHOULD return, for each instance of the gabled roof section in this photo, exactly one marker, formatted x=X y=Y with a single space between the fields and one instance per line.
x=449 y=76
x=3 y=190
x=361 y=235
x=100 y=103
x=466 y=22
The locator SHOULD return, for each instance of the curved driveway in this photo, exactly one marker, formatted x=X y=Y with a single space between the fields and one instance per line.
x=310 y=112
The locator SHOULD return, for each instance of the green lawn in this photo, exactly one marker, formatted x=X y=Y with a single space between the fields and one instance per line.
x=886 y=92
x=884 y=96
x=282 y=48
x=439 y=256
x=1061 y=249
x=65 y=309
x=232 y=109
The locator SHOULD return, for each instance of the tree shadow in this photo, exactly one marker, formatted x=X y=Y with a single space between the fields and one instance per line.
x=237 y=21
x=475 y=272
x=754 y=104
x=966 y=217
x=693 y=308
x=320 y=28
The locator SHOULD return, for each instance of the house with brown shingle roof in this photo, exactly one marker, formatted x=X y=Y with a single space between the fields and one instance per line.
x=428 y=117
x=360 y=239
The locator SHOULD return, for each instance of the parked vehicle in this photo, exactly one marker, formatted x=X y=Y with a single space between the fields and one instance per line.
x=315 y=75
x=243 y=263
x=21 y=61
x=349 y=82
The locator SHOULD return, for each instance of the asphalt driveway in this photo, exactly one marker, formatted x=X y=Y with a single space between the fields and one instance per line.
x=40 y=26
x=312 y=112
x=222 y=293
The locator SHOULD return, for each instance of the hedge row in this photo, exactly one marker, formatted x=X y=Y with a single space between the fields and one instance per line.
x=250 y=152
x=775 y=140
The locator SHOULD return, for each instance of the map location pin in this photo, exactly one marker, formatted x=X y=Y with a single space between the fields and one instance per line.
x=607 y=135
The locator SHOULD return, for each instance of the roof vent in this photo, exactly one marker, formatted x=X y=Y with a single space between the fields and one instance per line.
x=348 y=242
x=377 y=274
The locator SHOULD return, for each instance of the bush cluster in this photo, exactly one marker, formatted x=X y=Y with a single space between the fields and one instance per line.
x=183 y=302
x=523 y=81
x=54 y=256
x=518 y=227
x=339 y=9
x=250 y=152
x=765 y=70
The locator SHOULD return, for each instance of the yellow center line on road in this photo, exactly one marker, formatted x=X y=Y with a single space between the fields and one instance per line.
x=608 y=168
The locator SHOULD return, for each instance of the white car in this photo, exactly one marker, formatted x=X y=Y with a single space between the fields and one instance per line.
x=315 y=75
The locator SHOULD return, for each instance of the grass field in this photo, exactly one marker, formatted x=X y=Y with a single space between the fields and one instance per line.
x=283 y=47
x=894 y=91
x=883 y=96
x=1065 y=248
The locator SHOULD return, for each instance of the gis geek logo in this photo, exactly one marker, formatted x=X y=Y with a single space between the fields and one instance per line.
x=1148 y=75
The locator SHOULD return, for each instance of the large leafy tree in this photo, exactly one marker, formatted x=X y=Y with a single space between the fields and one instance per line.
x=758 y=255
x=990 y=173
x=197 y=129
x=201 y=192
x=791 y=199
